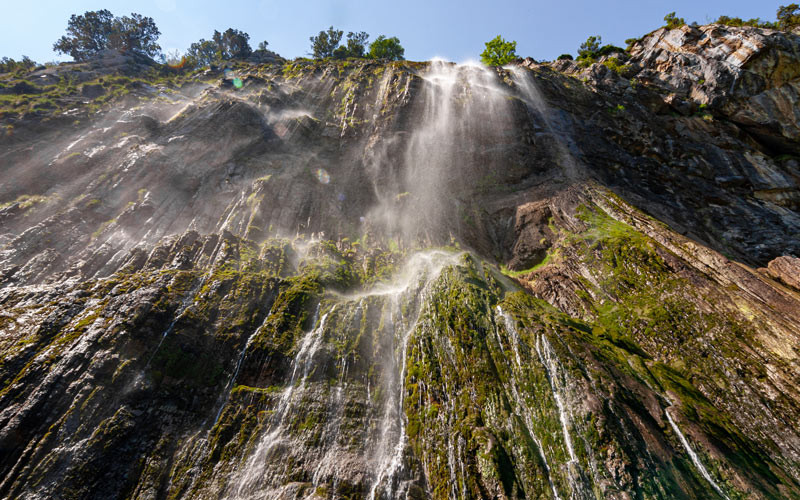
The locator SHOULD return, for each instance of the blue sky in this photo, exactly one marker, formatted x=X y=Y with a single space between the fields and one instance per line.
x=453 y=30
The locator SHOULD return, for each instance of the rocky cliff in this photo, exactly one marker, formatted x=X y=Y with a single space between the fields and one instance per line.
x=406 y=280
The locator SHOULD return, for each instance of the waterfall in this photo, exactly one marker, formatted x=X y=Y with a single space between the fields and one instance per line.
x=533 y=98
x=381 y=452
x=239 y=362
x=461 y=114
x=249 y=481
x=187 y=301
x=421 y=271
x=695 y=459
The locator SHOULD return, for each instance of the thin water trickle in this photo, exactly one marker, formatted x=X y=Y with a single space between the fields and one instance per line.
x=695 y=459
x=239 y=362
x=552 y=366
x=185 y=304
x=521 y=403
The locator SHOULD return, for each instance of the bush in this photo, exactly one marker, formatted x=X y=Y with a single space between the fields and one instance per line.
x=673 y=21
x=386 y=48
x=499 y=52
x=565 y=57
x=9 y=65
x=96 y=31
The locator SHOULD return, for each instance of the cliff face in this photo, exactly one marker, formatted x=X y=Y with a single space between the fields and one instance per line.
x=407 y=280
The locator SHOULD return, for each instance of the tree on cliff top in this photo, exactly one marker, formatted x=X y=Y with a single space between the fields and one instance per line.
x=788 y=16
x=324 y=44
x=96 y=31
x=386 y=48
x=230 y=44
x=499 y=52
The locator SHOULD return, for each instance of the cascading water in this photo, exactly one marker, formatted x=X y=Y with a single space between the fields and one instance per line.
x=535 y=100
x=250 y=482
x=400 y=303
x=460 y=118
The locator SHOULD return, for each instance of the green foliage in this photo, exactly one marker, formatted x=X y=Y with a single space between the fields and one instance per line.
x=231 y=44
x=499 y=52
x=96 y=31
x=590 y=48
x=673 y=21
x=386 y=48
x=737 y=21
x=788 y=16
x=565 y=57
x=324 y=44
x=9 y=65
x=616 y=65
x=356 y=44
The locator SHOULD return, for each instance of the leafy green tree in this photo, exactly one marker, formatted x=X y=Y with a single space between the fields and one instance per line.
x=136 y=33
x=590 y=47
x=95 y=31
x=499 y=52
x=673 y=21
x=788 y=16
x=324 y=44
x=386 y=48
x=230 y=44
x=203 y=53
x=357 y=44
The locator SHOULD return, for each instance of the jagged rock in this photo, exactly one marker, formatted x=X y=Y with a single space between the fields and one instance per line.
x=786 y=269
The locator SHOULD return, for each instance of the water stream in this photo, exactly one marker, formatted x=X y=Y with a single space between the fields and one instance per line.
x=508 y=321
x=695 y=459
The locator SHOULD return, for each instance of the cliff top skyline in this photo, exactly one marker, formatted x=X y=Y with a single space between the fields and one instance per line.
x=452 y=31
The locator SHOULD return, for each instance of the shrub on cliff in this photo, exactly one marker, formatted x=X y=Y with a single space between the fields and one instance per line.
x=9 y=65
x=96 y=31
x=674 y=21
x=499 y=52
x=737 y=21
x=386 y=48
